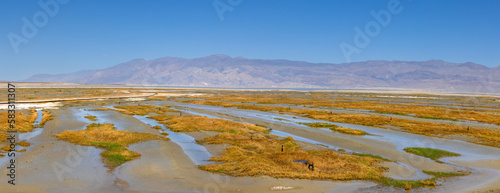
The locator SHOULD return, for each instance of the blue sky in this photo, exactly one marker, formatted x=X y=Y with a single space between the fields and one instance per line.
x=95 y=34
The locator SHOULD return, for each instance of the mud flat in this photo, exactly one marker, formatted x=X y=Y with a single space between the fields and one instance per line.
x=483 y=161
x=52 y=165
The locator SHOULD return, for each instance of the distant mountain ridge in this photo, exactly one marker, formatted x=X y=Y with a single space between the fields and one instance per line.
x=225 y=71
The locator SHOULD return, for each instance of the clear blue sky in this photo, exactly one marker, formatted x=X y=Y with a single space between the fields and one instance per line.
x=95 y=34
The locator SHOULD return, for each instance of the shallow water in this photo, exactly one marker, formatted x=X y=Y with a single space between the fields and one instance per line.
x=303 y=139
x=196 y=113
x=197 y=153
x=36 y=131
x=102 y=117
x=401 y=140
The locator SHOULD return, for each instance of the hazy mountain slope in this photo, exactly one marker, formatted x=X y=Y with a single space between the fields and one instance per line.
x=221 y=70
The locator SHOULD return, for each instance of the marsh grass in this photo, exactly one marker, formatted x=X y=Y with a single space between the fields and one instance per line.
x=254 y=152
x=195 y=123
x=262 y=155
x=371 y=155
x=3 y=136
x=446 y=174
x=479 y=136
x=432 y=112
x=46 y=117
x=430 y=182
x=91 y=118
x=336 y=128
x=24 y=122
x=162 y=119
x=433 y=154
x=142 y=110
x=408 y=184
x=114 y=142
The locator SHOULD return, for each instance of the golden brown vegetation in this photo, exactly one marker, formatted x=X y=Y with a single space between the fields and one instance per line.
x=254 y=152
x=91 y=118
x=263 y=156
x=195 y=123
x=3 y=136
x=142 y=110
x=113 y=141
x=24 y=123
x=480 y=136
x=46 y=117
x=23 y=143
x=430 y=112
x=336 y=128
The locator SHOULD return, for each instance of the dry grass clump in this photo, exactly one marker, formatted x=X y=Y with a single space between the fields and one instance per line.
x=24 y=123
x=336 y=128
x=91 y=118
x=46 y=117
x=195 y=123
x=162 y=119
x=157 y=127
x=3 y=136
x=142 y=110
x=23 y=143
x=113 y=141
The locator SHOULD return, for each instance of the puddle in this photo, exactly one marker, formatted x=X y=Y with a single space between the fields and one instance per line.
x=197 y=153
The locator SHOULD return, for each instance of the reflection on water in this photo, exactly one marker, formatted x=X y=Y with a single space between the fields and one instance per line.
x=197 y=153
x=470 y=152
x=35 y=132
x=196 y=113
x=303 y=139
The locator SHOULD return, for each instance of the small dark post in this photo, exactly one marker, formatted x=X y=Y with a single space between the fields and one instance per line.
x=281 y=148
x=467 y=128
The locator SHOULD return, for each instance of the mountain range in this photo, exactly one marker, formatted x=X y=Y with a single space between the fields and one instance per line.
x=226 y=71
